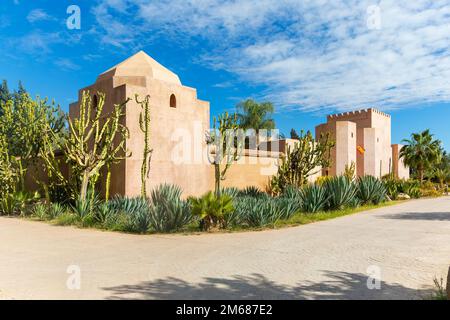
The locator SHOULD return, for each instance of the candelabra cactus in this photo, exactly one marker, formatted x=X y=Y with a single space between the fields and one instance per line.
x=95 y=139
x=228 y=140
x=144 y=124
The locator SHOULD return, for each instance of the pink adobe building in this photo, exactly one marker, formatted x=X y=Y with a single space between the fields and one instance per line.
x=363 y=137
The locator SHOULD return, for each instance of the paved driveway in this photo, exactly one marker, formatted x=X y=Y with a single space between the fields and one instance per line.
x=406 y=244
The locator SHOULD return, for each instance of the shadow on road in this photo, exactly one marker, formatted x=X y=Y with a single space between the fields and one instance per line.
x=433 y=216
x=340 y=285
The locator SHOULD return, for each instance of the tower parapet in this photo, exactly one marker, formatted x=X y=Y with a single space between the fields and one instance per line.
x=346 y=115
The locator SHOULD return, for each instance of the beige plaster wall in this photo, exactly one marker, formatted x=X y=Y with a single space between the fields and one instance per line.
x=401 y=171
x=177 y=137
x=346 y=148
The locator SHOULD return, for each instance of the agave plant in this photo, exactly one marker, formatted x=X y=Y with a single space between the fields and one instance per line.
x=314 y=198
x=288 y=206
x=136 y=211
x=232 y=192
x=139 y=221
x=341 y=192
x=291 y=192
x=102 y=213
x=371 y=190
x=258 y=212
x=40 y=211
x=55 y=210
x=127 y=205
x=168 y=212
x=254 y=192
x=212 y=210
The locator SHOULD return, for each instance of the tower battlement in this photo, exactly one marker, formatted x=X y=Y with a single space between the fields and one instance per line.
x=356 y=113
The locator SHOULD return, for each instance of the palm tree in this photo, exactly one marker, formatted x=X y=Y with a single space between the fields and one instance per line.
x=254 y=115
x=421 y=152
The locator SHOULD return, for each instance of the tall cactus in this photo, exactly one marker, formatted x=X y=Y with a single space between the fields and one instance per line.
x=228 y=141
x=144 y=124
x=91 y=143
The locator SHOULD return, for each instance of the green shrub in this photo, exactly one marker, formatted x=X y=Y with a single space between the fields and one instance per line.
x=371 y=190
x=67 y=219
x=393 y=187
x=168 y=212
x=341 y=192
x=17 y=203
x=429 y=189
x=314 y=198
x=136 y=211
x=212 y=210
x=411 y=188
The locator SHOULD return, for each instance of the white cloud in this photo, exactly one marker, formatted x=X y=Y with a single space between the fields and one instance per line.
x=39 y=15
x=66 y=64
x=37 y=42
x=310 y=55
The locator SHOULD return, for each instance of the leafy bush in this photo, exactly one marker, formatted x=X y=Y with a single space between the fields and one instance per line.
x=393 y=187
x=371 y=190
x=341 y=192
x=67 y=219
x=412 y=188
x=168 y=212
x=17 y=203
x=314 y=198
x=322 y=180
x=429 y=189
x=212 y=210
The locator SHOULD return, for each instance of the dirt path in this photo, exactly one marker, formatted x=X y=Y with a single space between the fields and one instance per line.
x=406 y=245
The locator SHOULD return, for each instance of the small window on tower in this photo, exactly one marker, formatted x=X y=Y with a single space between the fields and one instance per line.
x=378 y=139
x=352 y=134
x=173 y=101
x=95 y=102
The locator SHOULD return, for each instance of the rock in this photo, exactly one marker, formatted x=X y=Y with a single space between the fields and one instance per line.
x=403 y=196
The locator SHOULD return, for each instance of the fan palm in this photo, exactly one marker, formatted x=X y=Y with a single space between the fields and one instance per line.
x=421 y=152
x=254 y=115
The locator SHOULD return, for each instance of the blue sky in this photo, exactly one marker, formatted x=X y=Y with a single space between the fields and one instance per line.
x=310 y=58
